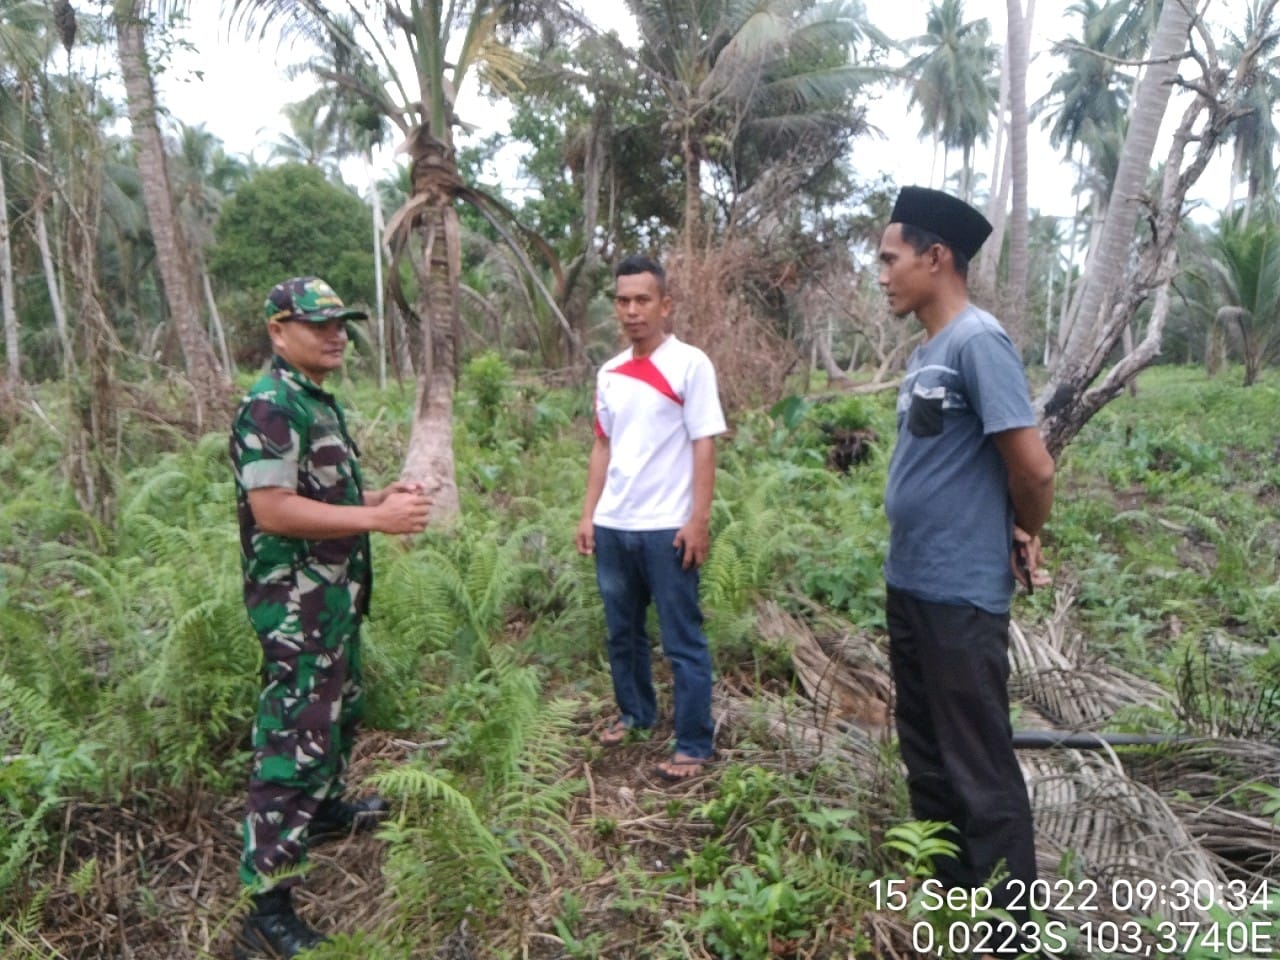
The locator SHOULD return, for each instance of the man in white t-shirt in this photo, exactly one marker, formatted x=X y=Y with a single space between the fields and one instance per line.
x=647 y=513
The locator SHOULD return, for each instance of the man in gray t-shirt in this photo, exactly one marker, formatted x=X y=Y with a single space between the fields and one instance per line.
x=970 y=485
x=950 y=517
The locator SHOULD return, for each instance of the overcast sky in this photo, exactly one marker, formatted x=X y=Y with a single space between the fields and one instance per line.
x=236 y=90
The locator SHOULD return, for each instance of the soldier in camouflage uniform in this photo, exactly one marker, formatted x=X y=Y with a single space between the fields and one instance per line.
x=305 y=520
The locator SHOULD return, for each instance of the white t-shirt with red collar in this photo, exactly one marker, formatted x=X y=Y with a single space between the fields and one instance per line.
x=651 y=409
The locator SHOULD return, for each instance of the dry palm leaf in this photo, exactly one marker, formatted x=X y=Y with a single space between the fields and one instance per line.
x=1051 y=671
x=1090 y=812
x=846 y=678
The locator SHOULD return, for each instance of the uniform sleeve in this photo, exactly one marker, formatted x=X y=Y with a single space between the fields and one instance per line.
x=996 y=382
x=703 y=416
x=265 y=444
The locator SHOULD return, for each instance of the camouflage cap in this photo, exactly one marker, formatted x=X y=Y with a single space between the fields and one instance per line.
x=310 y=299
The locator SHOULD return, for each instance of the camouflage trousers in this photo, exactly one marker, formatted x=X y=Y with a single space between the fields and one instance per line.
x=308 y=712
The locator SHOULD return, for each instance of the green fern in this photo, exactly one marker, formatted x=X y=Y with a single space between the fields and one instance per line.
x=33 y=722
x=82 y=880
x=19 y=933
x=442 y=858
x=21 y=843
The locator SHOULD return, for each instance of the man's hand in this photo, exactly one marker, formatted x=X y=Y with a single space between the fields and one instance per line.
x=374 y=498
x=402 y=508
x=1027 y=561
x=585 y=537
x=694 y=539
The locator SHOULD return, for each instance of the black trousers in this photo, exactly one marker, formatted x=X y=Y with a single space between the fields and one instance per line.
x=951 y=671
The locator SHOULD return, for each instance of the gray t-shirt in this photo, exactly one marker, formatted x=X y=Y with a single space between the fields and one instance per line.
x=947 y=496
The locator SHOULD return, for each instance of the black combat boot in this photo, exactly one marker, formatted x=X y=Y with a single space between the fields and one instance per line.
x=336 y=818
x=272 y=931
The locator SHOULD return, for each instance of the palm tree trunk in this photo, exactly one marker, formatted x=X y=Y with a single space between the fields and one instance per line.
x=692 y=198
x=1086 y=350
x=430 y=460
x=582 y=278
x=1019 y=29
x=173 y=257
x=1048 y=313
x=13 y=358
x=998 y=201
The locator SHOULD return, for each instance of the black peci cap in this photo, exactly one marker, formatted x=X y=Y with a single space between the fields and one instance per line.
x=949 y=217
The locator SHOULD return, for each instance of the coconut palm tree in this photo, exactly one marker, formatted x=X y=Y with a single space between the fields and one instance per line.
x=352 y=127
x=1085 y=112
x=1088 y=98
x=209 y=381
x=952 y=81
x=1017 y=55
x=730 y=73
x=1124 y=274
x=1244 y=260
x=312 y=139
x=1254 y=136
x=444 y=43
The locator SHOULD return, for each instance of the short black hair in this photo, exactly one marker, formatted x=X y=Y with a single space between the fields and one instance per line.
x=638 y=263
x=921 y=240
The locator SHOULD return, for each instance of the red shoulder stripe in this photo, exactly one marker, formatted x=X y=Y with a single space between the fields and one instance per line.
x=644 y=370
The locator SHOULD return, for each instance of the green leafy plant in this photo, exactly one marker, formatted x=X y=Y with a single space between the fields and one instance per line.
x=920 y=843
x=751 y=909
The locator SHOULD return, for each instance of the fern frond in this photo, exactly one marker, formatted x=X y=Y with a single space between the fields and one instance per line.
x=418 y=788
x=25 y=925
x=21 y=844
x=33 y=720
x=82 y=880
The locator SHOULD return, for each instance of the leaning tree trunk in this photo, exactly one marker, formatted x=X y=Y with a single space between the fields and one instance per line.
x=216 y=330
x=379 y=248
x=1019 y=28
x=430 y=460
x=13 y=356
x=1087 y=348
x=173 y=257
x=53 y=284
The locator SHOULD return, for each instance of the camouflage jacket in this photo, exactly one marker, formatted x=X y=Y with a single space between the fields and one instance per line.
x=288 y=432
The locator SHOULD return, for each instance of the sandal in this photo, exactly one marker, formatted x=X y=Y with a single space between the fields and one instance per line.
x=615 y=733
x=675 y=770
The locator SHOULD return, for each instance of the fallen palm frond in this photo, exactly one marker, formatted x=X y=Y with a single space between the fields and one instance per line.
x=1114 y=830
x=1113 y=822
x=1052 y=671
x=1237 y=840
x=846 y=676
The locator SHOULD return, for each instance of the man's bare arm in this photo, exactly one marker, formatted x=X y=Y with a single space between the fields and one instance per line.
x=287 y=513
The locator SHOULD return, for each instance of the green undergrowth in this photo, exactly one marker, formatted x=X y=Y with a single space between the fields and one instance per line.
x=1168 y=520
x=128 y=664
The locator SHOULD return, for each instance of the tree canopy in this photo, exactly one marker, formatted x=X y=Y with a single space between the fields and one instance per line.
x=289 y=221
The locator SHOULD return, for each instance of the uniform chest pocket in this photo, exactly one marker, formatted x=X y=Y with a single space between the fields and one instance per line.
x=924 y=417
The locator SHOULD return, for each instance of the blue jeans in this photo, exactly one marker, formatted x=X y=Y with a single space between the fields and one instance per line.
x=633 y=567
